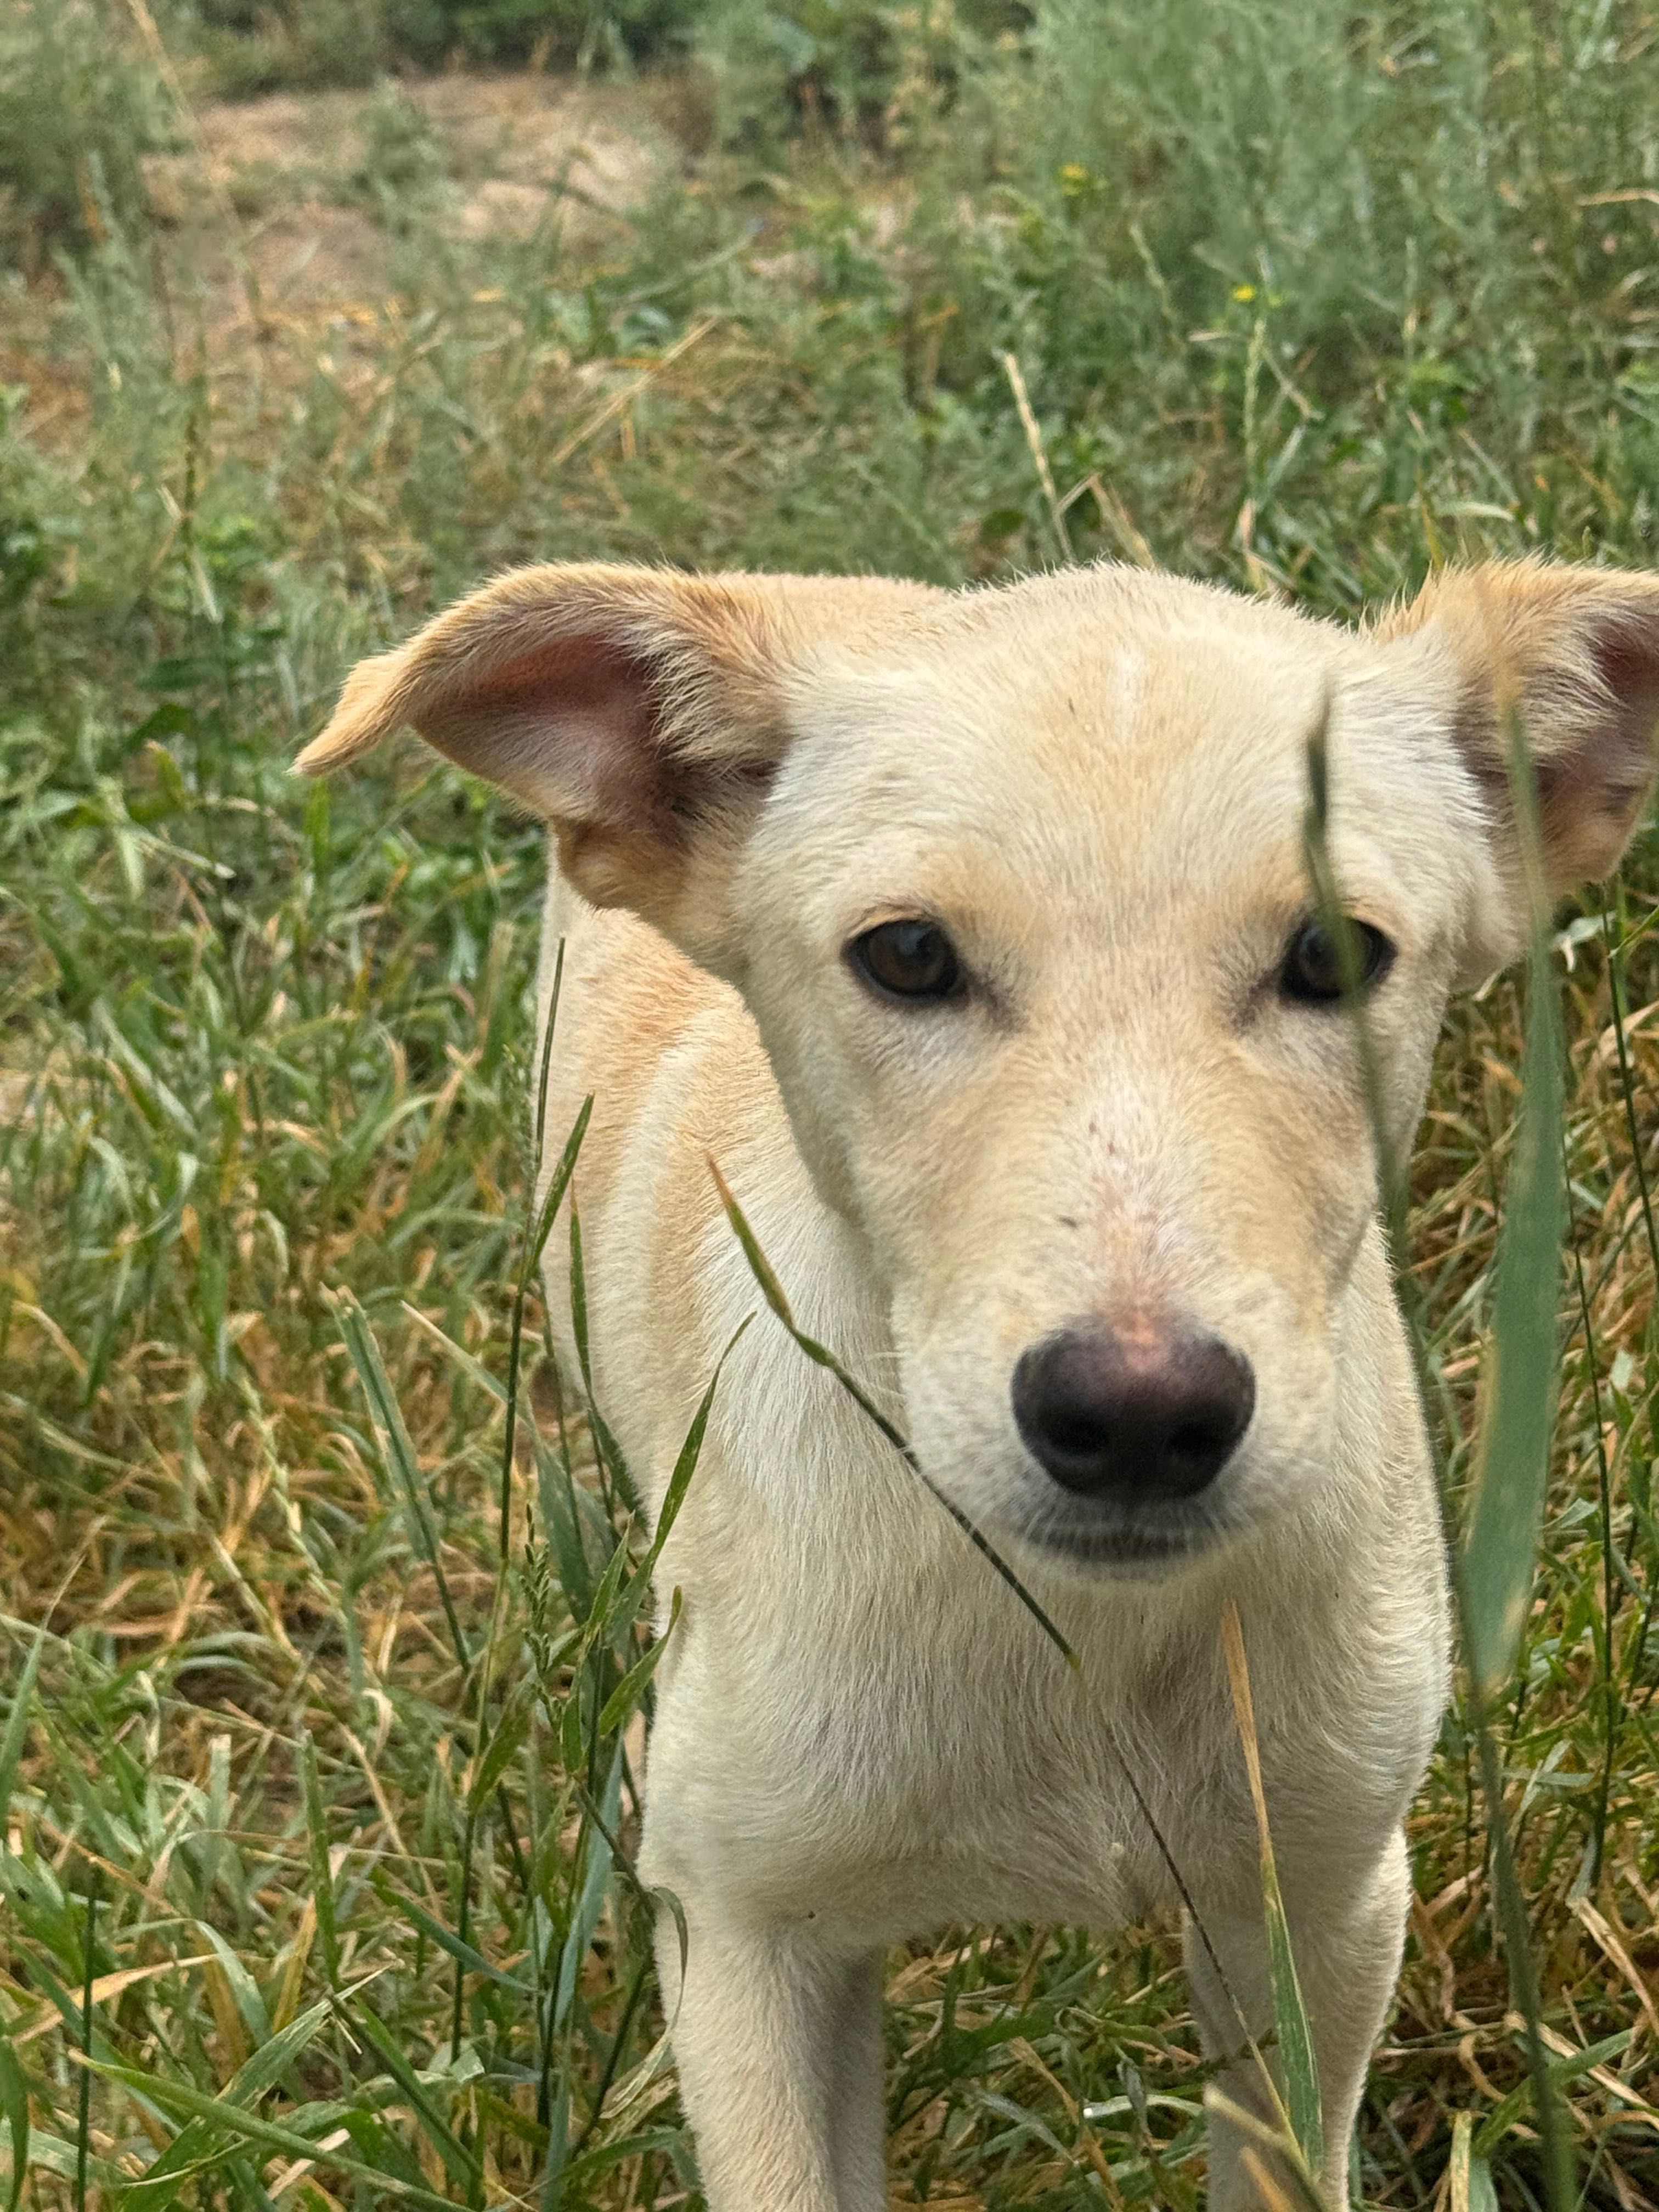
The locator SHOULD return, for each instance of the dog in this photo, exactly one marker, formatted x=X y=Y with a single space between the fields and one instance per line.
x=970 y=934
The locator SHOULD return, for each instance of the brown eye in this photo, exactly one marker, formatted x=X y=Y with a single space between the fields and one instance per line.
x=907 y=960
x=1318 y=966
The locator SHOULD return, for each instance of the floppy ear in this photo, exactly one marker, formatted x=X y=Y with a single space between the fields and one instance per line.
x=1575 y=653
x=642 y=711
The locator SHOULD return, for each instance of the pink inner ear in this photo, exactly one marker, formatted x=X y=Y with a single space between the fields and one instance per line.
x=561 y=675
x=566 y=724
x=1629 y=667
x=1594 y=778
x=1615 y=761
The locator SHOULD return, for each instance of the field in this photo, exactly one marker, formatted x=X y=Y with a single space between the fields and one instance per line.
x=319 y=1725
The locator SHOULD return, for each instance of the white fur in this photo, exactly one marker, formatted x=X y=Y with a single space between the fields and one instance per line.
x=1096 y=783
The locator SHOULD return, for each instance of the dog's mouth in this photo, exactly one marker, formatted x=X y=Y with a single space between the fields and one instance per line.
x=1131 y=1546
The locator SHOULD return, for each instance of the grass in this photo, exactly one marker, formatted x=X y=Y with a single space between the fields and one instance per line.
x=317 y=1765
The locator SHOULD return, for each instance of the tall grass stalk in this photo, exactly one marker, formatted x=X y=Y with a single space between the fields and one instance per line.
x=1497 y=1560
x=1494 y=1565
x=1296 y=2055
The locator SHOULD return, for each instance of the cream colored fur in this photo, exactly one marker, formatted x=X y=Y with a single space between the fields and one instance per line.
x=1096 y=782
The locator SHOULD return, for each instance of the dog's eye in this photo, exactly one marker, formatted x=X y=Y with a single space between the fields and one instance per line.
x=907 y=960
x=1319 y=966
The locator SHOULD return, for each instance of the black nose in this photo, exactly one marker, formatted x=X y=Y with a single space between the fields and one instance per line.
x=1138 y=1413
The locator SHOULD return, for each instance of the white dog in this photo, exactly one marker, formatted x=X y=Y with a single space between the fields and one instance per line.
x=971 y=934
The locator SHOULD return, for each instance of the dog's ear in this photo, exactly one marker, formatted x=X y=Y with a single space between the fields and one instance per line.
x=1574 y=652
x=641 y=712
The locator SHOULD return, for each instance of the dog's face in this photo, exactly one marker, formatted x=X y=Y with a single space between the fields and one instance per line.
x=1017 y=886
x=1028 y=928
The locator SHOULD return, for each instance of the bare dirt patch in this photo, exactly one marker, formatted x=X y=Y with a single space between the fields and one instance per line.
x=600 y=149
x=275 y=228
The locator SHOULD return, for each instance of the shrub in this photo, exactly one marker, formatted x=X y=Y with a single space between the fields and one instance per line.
x=80 y=104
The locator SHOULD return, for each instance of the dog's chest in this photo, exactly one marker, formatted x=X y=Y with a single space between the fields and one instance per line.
x=906 y=1766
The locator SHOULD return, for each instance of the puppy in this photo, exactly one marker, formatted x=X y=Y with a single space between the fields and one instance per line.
x=971 y=934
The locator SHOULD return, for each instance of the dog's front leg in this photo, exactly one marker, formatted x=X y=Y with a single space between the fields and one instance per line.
x=1347 y=1941
x=778 y=2042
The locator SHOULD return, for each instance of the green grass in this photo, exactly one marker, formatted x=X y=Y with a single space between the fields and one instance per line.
x=316 y=1788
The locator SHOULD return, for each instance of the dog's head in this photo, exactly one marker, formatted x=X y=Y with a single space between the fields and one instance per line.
x=1016 y=885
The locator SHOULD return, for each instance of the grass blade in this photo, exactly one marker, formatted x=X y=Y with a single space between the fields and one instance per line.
x=17 y=1725
x=679 y=1482
x=615 y=1478
x=188 y=2103
x=200 y=2139
x=1471 y=2177
x=83 y=2118
x=359 y=1341
x=1295 y=2047
x=322 y=1875
x=1512 y=1460
x=506 y=1739
x=602 y=1854
x=535 y=1243
x=15 y=2110
x=1496 y=1564
x=445 y=1939
x=771 y=1291
x=459 y=2161
x=1512 y=1454
x=631 y=1688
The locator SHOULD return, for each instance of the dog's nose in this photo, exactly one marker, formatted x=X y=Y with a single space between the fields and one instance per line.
x=1137 y=1414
